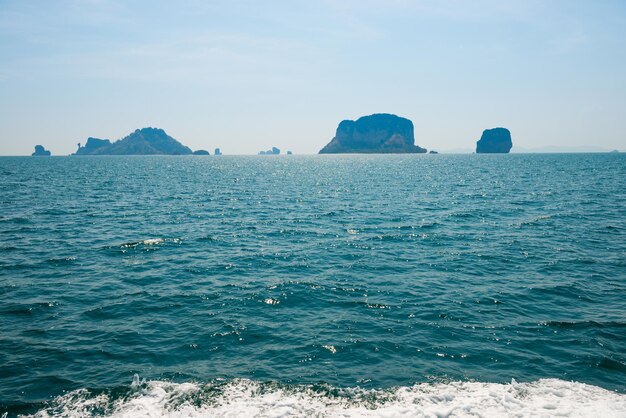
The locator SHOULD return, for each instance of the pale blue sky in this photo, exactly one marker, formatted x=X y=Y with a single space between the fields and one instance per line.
x=249 y=75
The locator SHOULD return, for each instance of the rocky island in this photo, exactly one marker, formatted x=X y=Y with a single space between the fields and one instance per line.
x=40 y=151
x=494 y=141
x=146 y=141
x=374 y=134
x=273 y=151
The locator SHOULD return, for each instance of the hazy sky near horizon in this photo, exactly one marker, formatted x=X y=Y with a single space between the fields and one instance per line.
x=249 y=75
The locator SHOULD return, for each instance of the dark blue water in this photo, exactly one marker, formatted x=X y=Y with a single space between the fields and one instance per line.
x=344 y=271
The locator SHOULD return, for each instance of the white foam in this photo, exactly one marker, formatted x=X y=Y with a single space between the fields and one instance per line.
x=153 y=241
x=244 y=398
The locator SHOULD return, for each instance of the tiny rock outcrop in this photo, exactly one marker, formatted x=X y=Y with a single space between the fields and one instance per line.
x=379 y=133
x=494 y=141
x=273 y=151
x=201 y=152
x=146 y=141
x=218 y=151
x=40 y=151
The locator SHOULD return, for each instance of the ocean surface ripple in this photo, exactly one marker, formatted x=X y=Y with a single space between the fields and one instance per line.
x=356 y=284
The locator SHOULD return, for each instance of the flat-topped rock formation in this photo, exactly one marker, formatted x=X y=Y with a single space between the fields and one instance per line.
x=379 y=133
x=40 y=151
x=494 y=141
x=146 y=141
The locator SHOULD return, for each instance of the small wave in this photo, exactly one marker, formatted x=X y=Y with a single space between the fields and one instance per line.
x=585 y=324
x=18 y=220
x=612 y=364
x=61 y=260
x=209 y=238
x=372 y=305
x=535 y=220
x=245 y=398
x=150 y=241
x=148 y=244
x=28 y=308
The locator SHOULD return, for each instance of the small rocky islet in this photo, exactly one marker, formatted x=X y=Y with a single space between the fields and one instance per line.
x=41 y=151
x=494 y=141
x=273 y=151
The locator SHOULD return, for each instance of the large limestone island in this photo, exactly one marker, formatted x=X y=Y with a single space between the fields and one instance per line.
x=494 y=141
x=374 y=134
x=146 y=141
x=40 y=151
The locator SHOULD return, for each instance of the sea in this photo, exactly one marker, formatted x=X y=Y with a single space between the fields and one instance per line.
x=334 y=285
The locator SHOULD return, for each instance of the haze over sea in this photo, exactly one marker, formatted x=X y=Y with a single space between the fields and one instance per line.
x=418 y=285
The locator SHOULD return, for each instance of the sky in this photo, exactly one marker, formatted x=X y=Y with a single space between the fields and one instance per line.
x=248 y=75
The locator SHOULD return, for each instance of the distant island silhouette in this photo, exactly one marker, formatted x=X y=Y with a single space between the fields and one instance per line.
x=494 y=141
x=380 y=133
x=146 y=141
x=40 y=151
x=201 y=152
x=273 y=151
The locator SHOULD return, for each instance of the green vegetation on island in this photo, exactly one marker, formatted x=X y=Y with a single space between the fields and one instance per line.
x=146 y=141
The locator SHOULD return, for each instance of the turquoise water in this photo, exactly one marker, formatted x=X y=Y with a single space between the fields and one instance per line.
x=302 y=274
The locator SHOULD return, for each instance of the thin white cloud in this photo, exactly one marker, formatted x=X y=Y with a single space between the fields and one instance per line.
x=210 y=58
x=450 y=9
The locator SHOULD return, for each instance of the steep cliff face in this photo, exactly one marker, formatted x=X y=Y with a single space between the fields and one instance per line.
x=146 y=141
x=92 y=146
x=494 y=141
x=379 y=133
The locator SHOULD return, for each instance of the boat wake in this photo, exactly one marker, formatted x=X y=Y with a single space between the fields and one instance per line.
x=246 y=398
